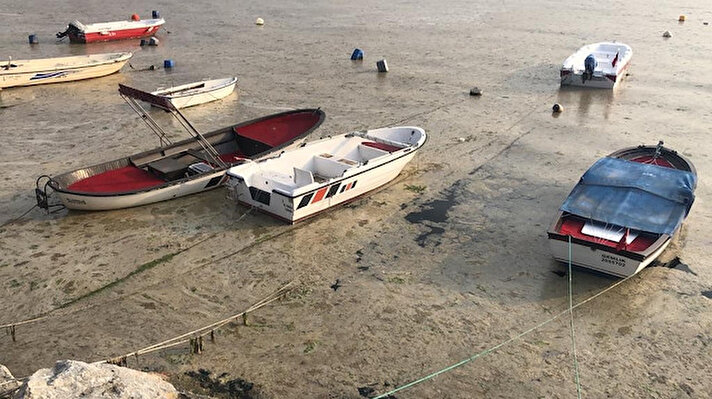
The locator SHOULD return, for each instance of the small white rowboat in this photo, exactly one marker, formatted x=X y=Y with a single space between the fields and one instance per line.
x=625 y=210
x=56 y=70
x=197 y=93
x=600 y=65
x=322 y=174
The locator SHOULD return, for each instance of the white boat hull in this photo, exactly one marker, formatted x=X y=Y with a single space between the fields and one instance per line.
x=197 y=96
x=603 y=261
x=98 y=202
x=285 y=208
x=59 y=75
x=597 y=81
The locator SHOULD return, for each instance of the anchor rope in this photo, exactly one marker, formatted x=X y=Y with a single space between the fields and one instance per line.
x=11 y=221
x=503 y=343
x=573 y=333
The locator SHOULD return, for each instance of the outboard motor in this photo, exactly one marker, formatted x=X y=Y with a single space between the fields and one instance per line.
x=589 y=64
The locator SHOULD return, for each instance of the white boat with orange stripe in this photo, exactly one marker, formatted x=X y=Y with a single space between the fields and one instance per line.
x=319 y=175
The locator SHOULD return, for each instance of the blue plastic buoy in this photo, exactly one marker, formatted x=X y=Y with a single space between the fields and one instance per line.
x=155 y=14
x=33 y=39
x=357 y=54
x=168 y=63
x=143 y=42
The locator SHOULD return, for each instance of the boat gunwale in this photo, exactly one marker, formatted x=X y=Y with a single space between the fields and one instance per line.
x=60 y=189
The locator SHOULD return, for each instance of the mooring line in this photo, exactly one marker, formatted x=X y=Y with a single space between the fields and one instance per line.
x=11 y=221
x=501 y=344
x=573 y=333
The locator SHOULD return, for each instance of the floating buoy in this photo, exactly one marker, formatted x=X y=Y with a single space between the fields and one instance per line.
x=705 y=23
x=382 y=66
x=667 y=34
x=168 y=63
x=357 y=54
x=681 y=18
x=260 y=22
x=143 y=42
x=153 y=41
x=135 y=17
x=33 y=39
x=475 y=91
x=155 y=14
x=557 y=108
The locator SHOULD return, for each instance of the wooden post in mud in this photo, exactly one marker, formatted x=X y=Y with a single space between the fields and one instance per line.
x=244 y=319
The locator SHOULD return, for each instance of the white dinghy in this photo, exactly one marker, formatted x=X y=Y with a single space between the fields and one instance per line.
x=63 y=69
x=197 y=93
x=600 y=65
x=319 y=175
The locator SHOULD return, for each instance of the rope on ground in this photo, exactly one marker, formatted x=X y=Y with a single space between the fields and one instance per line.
x=11 y=221
x=501 y=344
x=202 y=331
x=573 y=333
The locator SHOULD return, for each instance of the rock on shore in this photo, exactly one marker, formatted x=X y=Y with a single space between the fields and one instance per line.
x=74 y=379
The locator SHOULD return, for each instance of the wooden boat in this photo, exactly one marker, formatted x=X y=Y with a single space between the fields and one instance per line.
x=600 y=65
x=63 y=69
x=197 y=93
x=625 y=210
x=105 y=31
x=322 y=174
x=176 y=169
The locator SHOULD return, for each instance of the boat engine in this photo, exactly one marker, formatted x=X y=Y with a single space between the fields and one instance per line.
x=589 y=64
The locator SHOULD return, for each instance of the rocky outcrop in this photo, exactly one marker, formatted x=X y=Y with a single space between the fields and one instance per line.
x=8 y=384
x=73 y=379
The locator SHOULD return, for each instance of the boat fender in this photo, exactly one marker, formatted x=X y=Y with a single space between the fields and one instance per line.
x=135 y=17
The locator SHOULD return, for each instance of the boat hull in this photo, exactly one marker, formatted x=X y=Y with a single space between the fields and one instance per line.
x=609 y=262
x=570 y=78
x=98 y=202
x=61 y=75
x=119 y=34
x=202 y=98
x=284 y=207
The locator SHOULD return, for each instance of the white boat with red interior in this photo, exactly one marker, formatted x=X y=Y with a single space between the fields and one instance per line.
x=115 y=30
x=192 y=94
x=599 y=65
x=175 y=169
x=307 y=180
x=625 y=210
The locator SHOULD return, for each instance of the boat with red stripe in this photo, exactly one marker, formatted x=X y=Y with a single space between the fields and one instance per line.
x=625 y=210
x=107 y=31
x=307 y=180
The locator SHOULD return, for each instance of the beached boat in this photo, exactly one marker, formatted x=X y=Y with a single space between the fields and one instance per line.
x=313 y=178
x=116 y=30
x=600 y=65
x=197 y=93
x=625 y=210
x=63 y=69
x=175 y=169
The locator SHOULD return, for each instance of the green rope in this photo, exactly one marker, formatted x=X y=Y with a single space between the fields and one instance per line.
x=573 y=333
x=492 y=349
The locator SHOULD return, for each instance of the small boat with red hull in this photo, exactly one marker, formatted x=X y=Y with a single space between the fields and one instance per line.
x=625 y=210
x=106 y=31
x=174 y=169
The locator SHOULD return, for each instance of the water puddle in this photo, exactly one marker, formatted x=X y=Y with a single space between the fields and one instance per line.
x=433 y=212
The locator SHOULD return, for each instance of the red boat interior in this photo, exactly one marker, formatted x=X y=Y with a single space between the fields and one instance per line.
x=381 y=146
x=248 y=140
x=572 y=225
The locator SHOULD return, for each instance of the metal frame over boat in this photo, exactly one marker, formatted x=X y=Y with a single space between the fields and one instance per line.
x=116 y=30
x=625 y=210
x=191 y=94
x=175 y=169
x=322 y=174
x=604 y=70
x=15 y=73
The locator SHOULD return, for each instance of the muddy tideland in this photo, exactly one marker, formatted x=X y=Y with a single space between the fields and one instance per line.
x=449 y=260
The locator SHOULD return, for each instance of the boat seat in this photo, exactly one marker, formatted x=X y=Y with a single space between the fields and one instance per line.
x=328 y=166
x=303 y=177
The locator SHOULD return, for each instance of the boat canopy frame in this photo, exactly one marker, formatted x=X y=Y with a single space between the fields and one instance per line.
x=132 y=96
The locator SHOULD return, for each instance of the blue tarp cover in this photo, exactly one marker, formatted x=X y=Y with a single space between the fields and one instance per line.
x=635 y=195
